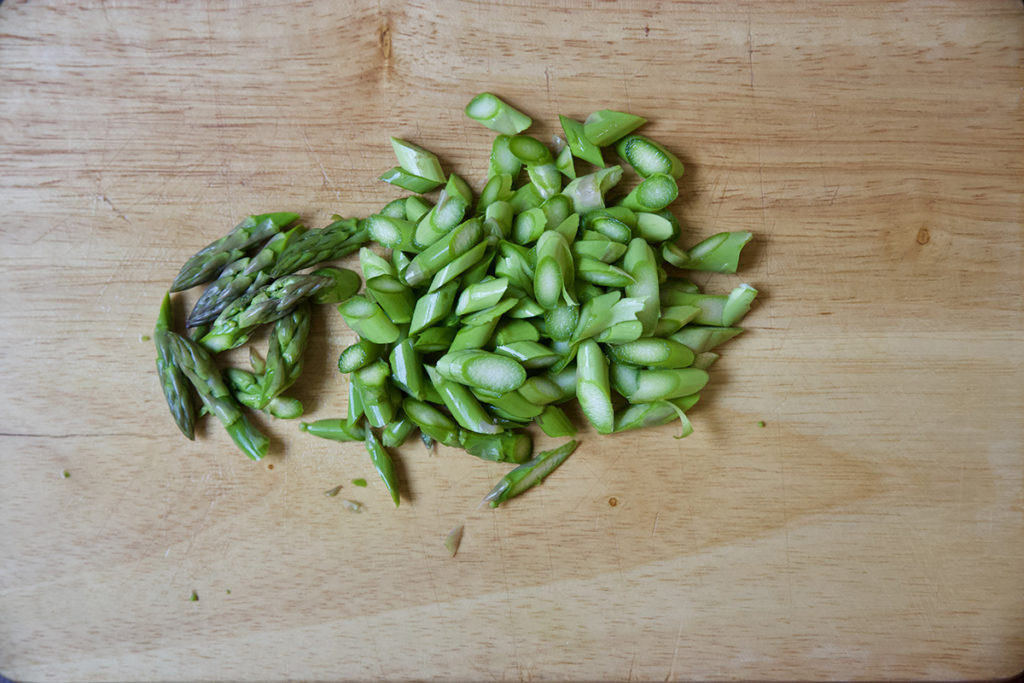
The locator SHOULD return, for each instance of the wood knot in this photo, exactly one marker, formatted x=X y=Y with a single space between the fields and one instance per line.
x=613 y=501
x=923 y=236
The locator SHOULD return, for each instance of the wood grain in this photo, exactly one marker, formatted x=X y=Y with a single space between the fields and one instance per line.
x=872 y=530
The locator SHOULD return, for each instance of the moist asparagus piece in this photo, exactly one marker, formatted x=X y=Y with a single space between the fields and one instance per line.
x=338 y=239
x=505 y=447
x=529 y=474
x=288 y=340
x=208 y=261
x=335 y=429
x=204 y=375
x=247 y=389
x=172 y=379
x=278 y=298
x=383 y=464
x=496 y=114
x=239 y=278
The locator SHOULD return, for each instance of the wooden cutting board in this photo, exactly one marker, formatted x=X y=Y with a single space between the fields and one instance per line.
x=872 y=529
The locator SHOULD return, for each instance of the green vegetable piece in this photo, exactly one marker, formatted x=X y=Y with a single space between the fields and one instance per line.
x=406 y=368
x=374 y=392
x=463 y=406
x=654 y=227
x=396 y=432
x=393 y=233
x=530 y=354
x=587 y=192
x=432 y=422
x=204 y=265
x=529 y=225
x=601 y=273
x=360 y=482
x=368 y=320
x=654 y=193
x=702 y=338
x=399 y=177
x=481 y=295
x=283 y=365
x=277 y=299
x=603 y=249
x=442 y=219
x=344 y=283
x=620 y=333
x=355 y=402
x=661 y=384
x=496 y=114
x=473 y=336
x=416 y=208
x=201 y=370
x=540 y=390
x=393 y=296
x=593 y=390
x=498 y=220
x=373 y=265
x=357 y=356
x=565 y=164
x=433 y=306
x=309 y=248
x=717 y=310
x=511 y=406
x=335 y=429
x=505 y=447
x=604 y=127
x=560 y=321
x=577 y=142
x=555 y=423
x=703 y=361
x=482 y=369
x=497 y=189
x=458 y=266
x=433 y=339
x=417 y=161
x=526 y=197
x=394 y=209
x=444 y=251
x=172 y=379
x=647 y=157
x=673 y=318
x=514 y=331
x=529 y=474
x=383 y=464
x=644 y=415
x=641 y=264
x=554 y=274
x=653 y=352
x=503 y=161
x=719 y=253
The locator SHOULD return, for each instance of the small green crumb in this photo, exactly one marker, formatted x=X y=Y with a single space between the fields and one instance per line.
x=144 y=337
x=229 y=591
x=331 y=493
x=194 y=597
x=359 y=482
x=760 y=423
x=65 y=474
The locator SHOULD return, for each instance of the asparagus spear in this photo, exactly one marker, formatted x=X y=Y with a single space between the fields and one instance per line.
x=175 y=385
x=204 y=375
x=239 y=278
x=208 y=261
x=284 y=356
x=275 y=300
x=338 y=239
x=247 y=387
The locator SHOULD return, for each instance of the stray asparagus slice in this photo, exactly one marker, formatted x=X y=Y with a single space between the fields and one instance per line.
x=529 y=474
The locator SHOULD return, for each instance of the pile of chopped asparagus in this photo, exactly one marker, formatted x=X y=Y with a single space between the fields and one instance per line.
x=480 y=315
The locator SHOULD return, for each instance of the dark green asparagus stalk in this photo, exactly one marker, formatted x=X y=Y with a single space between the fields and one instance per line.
x=239 y=278
x=338 y=239
x=284 y=355
x=204 y=375
x=209 y=261
x=175 y=385
x=275 y=300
